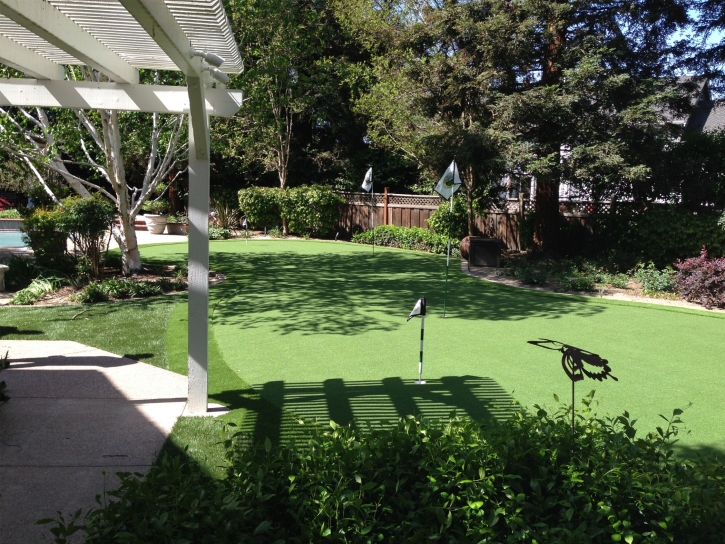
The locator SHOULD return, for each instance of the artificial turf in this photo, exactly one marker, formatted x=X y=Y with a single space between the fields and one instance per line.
x=319 y=329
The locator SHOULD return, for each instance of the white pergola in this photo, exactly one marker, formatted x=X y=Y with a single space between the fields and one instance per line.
x=117 y=38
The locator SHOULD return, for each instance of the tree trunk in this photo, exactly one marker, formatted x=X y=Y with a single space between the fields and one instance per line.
x=125 y=236
x=546 y=214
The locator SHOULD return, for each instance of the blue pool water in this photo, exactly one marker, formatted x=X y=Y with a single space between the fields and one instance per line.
x=11 y=238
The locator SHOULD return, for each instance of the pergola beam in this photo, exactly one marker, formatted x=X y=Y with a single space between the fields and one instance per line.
x=158 y=21
x=89 y=95
x=48 y=22
x=28 y=61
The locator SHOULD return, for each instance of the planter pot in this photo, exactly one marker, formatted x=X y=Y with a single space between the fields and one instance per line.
x=11 y=224
x=155 y=223
x=176 y=228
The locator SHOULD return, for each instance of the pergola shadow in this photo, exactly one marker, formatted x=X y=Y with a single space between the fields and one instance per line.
x=276 y=412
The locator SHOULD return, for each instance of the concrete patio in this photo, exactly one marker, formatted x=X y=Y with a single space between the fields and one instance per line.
x=77 y=415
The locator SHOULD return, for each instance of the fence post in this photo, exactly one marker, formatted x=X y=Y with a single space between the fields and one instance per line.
x=385 y=206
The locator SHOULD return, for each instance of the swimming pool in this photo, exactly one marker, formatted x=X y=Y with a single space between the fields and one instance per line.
x=11 y=238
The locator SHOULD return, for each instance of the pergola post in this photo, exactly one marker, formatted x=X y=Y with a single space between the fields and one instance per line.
x=198 y=266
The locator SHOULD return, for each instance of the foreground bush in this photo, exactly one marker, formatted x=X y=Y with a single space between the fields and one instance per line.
x=702 y=280
x=520 y=480
x=408 y=238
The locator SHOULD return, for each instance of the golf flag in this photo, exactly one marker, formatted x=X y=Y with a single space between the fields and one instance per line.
x=244 y=223
x=368 y=181
x=419 y=309
x=449 y=183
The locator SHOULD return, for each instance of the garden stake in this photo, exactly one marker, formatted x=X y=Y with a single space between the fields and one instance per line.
x=572 y=361
x=419 y=310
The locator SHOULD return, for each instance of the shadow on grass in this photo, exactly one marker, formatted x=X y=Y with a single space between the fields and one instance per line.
x=274 y=408
x=6 y=331
x=335 y=293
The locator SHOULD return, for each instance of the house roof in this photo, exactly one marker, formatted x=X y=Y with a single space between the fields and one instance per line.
x=715 y=118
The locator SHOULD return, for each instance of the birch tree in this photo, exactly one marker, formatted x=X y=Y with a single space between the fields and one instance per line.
x=86 y=149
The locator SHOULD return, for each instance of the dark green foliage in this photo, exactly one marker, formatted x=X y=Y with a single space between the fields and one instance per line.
x=653 y=280
x=309 y=210
x=22 y=271
x=446 y=224
x=88 y=220
x=126 y=288
x=519 y=480
x=312 y=210
x=408 y=238
x=661 y=234
x=702 y=280
x=46 y=232
x=261 y=206
x=219 y=233
x=10 y=213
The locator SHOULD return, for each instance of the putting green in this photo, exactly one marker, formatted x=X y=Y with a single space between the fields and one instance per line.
x=320 y=329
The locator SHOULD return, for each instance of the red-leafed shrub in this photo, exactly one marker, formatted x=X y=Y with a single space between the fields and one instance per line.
x=702 y=280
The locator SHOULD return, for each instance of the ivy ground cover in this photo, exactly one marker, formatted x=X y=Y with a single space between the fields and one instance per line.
x=319 y=330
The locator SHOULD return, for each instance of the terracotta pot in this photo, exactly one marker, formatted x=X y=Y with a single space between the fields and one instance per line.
x=176 y=228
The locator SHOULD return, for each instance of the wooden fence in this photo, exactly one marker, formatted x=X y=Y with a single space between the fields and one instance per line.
x=414 y=211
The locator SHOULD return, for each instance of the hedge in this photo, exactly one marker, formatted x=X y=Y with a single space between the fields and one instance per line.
x=520 y=480
x=408 y=238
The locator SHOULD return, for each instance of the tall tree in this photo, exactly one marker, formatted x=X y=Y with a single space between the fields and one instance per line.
x=590 y=106
x=443 y=67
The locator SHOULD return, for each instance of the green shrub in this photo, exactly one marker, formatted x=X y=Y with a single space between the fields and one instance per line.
x=519 y=480
x=218 y=233
x=312 y=210
x=35 y=291
x=661 y=234
x=155 y=207
x=653 y=280
x=261 y=206
x=21 y=272
x=45 y=231
x=446 y=224
x=126 y=288
x=10 y=213
x=225 y=206
x=88 y=220
x=408 y=238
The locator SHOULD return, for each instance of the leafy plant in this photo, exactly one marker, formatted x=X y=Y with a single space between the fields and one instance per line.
x=408 y=238
x=178 y=219
x=155 y=207
x=35 y=291
x=45 y=231
x=21 y=272
x=654 y=280
x=218 y=233
x=446 y=224
x=312 y=210
x=275 y=232
x=225 y=209
x=702 y=280
x=126 y=288
x=88 y=222
x=517 y=480
x=10 y=213
x=261 y=205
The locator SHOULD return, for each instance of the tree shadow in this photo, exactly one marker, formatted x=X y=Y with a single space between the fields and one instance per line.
x=15 y=331
x=333 y=293
x=275 y=408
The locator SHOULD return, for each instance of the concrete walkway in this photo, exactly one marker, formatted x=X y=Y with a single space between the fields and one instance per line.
x=75 y=412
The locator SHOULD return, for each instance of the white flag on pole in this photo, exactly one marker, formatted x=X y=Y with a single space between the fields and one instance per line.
x=449 y=183
x=419 y=309
x=368 y=181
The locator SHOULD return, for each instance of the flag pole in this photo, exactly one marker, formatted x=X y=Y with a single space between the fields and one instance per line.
x=372 y=209
x=420 y=379
x=448 y=254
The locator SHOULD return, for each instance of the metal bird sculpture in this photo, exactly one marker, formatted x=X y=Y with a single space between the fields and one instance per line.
x=573 y=360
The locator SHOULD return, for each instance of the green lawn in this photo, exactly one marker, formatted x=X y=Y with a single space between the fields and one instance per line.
x=319 y=328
